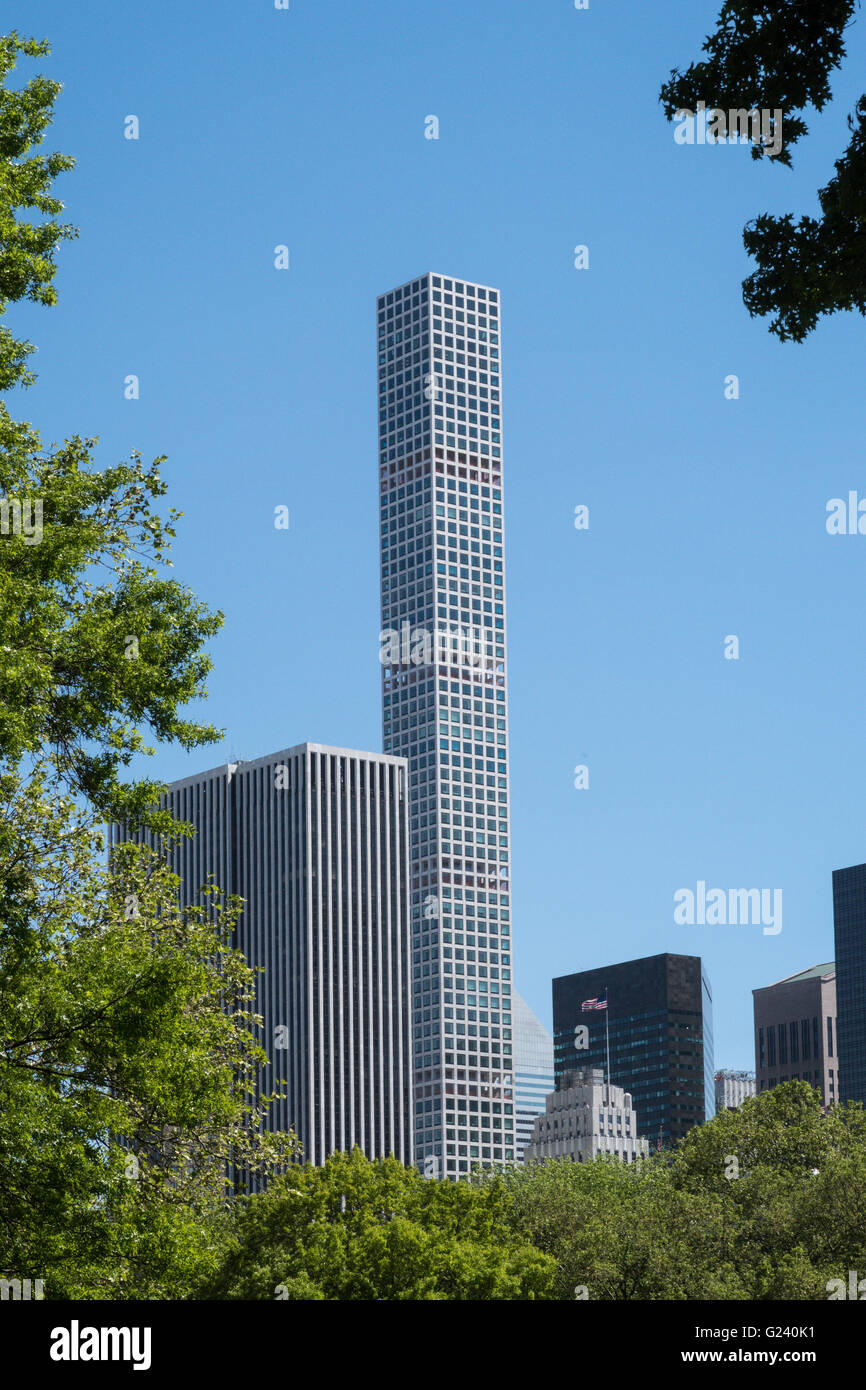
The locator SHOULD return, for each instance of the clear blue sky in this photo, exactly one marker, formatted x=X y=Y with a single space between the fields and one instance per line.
x=306 y=127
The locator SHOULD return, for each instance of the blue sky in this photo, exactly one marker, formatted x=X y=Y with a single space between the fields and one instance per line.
x=707 y=516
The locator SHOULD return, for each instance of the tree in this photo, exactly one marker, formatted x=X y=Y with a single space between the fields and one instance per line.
x=27 y=245
x=128 y=1061
x=127 y=1085
x=793 y=1183
x=768 y=1202
x=814 y=266
x=373 y=1230
x=94 y=642
x=621 y=1231
x=777 y=55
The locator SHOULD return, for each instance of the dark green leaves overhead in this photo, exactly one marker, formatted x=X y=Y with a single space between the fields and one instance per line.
x=778 y=55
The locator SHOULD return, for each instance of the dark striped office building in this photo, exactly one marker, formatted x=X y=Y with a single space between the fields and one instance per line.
x=315 y=840
x=660 y=1021
x=849 y=922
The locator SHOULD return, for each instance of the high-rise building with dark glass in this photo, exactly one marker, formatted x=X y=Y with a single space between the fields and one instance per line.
x=444 y=701
x=315 y=840
x=849 y=922
x=657 y=1027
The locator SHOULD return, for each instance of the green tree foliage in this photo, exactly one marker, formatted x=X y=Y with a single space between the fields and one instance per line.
x=356 y=1229
x=814 y=266
x=621 y=1231
x=778 y=55
x=793 y=1183
x=27 y=244
x=768 y=1202
x=128 y=1063
x=95 y=641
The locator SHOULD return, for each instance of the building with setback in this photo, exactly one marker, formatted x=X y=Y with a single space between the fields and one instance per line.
x=315 y=840
x=654 y=1015
x=584 y=1118
x=444 y=702
x=795 y=1032
x=732 y=1088
x=849 y=924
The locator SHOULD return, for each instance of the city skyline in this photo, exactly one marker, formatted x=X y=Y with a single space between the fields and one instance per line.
x=432 y=853
x=707 y=515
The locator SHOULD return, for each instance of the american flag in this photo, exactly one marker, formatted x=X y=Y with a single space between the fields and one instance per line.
x=600 y=1002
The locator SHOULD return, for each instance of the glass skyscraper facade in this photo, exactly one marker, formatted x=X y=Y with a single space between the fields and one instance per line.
x=660 y=1029
x=709 y=1046
x=444 y=702
x=533 y=1069
x=849 y=922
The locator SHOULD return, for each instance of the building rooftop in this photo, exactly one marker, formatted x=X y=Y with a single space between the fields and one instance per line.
x=814 y=972
x=228 y=769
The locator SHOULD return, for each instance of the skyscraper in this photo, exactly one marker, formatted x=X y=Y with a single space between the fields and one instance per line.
x=849 y=921
x=850 y=927
x=315 y=840
x=795 y=1031
x=533 y=1069
x=658 y=1025
x=444 y=701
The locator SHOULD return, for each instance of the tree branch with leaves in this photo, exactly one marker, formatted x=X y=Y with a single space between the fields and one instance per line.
x=769 y=55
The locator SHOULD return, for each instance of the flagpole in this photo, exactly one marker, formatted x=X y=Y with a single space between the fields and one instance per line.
x=607 y=1036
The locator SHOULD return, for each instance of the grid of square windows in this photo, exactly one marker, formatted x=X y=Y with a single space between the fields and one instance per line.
x=438 y=349
x=465 y=365
x=442 y=568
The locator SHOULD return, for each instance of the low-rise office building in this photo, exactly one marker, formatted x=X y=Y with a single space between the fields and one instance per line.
x=732 y=1088
x=586 y=1117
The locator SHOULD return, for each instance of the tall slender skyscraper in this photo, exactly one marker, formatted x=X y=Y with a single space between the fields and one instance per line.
x=444 y=700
